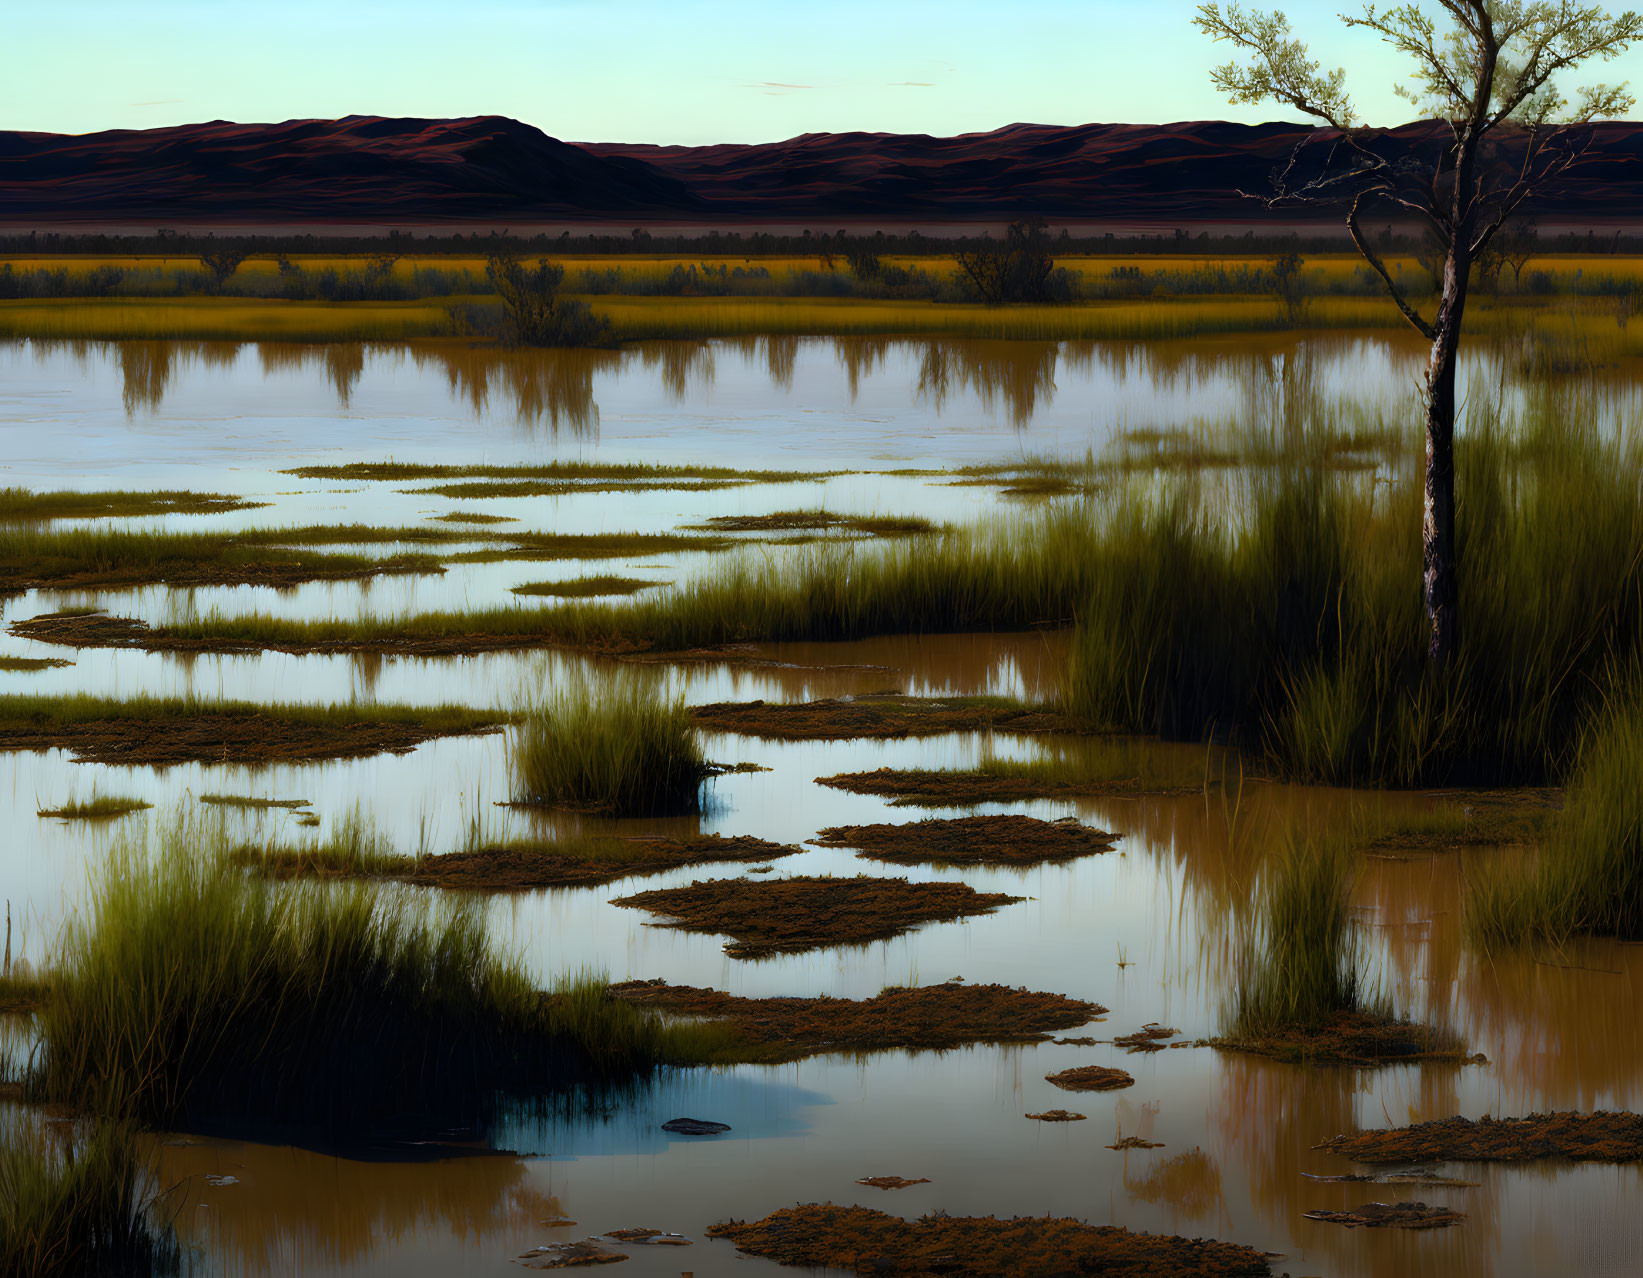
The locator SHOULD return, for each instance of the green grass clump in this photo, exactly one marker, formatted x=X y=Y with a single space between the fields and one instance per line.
x=192 y=992
x=586 y=587
x=1588 y=878
x=1280 y=608
x=99 y=807
x=1300 y=965
x=251 y=803
x=76 y=1204
x=31 y=665
x=617 y=744
x=22 y=506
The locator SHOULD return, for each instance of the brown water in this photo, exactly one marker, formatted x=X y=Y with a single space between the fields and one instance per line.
x=1145 y=930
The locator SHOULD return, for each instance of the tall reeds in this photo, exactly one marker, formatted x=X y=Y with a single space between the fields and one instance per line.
x=1588 y=877
x=617 y=744
x=193 y=991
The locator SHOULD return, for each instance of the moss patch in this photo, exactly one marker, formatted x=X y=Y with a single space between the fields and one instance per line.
x=789 y=915
x=1009 y=839
x=586 y=587
x=939 y=788
x=860 y=1240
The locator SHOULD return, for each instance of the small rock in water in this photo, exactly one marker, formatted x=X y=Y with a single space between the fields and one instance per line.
x=1391 y=1216
x=1135 y=1142
x=568 y=1255
x=694 y=1127
x=1058 y=1116
x=558 y=1222
x=647 y=1238
x=220 y=1181
x=891 y=1182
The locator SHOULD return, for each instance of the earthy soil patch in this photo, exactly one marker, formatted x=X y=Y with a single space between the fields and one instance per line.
x=1010 y=839
x=271 y=566
x=892 y=1182
x=915 y=787
x=1149 y=1038
x=521 y=866
x=1395 y=1178
x=1059 y=1116
x=587 y=587
x=1601 y=1137
x=864 y=1241
x=1091 y=1078
x=251 y=803
x=879 y=716
x=1391 y=1216
x=242 y=736
x=926 y=1017
x=1354 y=1038
x=785 y=916
x=817 y=521
x=569 y=1256
x=647 y=1238
x=1135 y=1142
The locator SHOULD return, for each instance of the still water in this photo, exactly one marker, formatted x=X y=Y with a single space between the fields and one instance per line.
x=1142 y=930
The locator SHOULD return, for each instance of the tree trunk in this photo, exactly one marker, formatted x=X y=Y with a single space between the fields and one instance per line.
x=1439 y=559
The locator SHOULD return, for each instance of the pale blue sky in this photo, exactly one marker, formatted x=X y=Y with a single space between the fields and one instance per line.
x=683 y=71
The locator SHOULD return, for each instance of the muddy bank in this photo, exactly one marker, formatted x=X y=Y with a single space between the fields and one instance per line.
x=916 y=787
x=1010 y=839
x=157 y=731
x=1391 y=1216
x=926 y=1017
x=1354 y=1038
x=522 y=866
x=864 y=1241
x=879 y=716
x=1601 y=1137
x=790 y=915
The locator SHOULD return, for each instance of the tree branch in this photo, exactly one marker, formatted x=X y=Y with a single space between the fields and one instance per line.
x=1374 y=260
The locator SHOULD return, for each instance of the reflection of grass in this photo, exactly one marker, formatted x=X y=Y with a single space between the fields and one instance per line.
x=191 y=991
x=99 y=807
x=72 y=1203
x=619 y=745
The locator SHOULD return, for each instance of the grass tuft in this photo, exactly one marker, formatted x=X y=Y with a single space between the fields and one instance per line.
x=617 y=744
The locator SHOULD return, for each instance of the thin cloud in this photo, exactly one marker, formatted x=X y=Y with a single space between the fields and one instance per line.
x=912 y=84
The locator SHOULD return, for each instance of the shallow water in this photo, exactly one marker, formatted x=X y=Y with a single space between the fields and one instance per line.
x=1142 y=930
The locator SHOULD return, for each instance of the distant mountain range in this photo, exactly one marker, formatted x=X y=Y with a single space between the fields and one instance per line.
x=368 y=168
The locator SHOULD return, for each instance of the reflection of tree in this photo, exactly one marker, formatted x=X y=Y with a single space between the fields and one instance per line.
x=1021 y=374
x=145 y=373
x=551 y=386
x=293 y=1210
x=860 y=357
x=680 y=362
x=344 y=365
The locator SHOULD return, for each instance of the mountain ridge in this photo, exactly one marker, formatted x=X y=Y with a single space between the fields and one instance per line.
x=414 y=169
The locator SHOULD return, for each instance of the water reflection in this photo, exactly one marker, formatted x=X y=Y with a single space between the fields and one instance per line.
x=1269 y=379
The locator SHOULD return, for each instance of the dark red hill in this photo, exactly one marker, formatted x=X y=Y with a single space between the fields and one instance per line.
x=490 y=167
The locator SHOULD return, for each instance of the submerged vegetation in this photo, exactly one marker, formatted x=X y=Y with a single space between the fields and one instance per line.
x=618 y=744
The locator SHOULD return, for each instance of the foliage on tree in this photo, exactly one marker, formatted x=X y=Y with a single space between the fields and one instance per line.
x=540 y=316
x=1017 y=269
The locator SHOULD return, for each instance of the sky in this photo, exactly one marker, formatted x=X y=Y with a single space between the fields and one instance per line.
x=669 y=71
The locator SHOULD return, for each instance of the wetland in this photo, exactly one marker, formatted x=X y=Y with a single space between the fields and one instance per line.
x=828 y=609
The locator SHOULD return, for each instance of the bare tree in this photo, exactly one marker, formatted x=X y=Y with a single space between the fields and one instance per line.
x=1518 y=240
x=1016 y=270
x=1486 y=70
x=222 y=263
